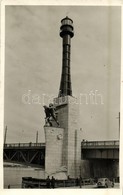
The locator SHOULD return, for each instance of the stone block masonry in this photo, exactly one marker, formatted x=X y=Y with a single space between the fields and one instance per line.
x=68 y=117
x=54 y=149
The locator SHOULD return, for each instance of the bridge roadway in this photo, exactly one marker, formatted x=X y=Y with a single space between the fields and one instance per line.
x=100 y=150
x=34 y=153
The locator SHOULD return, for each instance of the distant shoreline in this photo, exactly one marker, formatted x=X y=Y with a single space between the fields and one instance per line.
x=15 y=165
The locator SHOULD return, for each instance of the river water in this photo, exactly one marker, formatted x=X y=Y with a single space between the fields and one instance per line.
x=13 y=175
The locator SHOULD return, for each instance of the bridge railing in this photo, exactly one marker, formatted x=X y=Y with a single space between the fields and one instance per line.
x=99 y=144
x=84 y=144
x=15 y=145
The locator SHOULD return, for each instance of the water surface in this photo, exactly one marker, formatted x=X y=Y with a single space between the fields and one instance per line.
x=13 y=175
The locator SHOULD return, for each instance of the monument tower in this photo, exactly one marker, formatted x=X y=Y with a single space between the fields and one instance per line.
x=63 y=144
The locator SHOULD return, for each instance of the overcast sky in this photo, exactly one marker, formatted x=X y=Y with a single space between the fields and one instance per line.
x=33 y=61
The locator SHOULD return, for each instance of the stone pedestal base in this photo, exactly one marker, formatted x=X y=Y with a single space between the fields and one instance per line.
x=54 y=149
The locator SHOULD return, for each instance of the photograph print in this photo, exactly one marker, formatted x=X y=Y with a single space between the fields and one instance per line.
x=62 y=97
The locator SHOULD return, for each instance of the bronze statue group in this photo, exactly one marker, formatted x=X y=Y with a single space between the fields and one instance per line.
x=50 y=114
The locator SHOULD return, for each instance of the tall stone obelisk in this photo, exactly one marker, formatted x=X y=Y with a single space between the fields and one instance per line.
x=63 y=144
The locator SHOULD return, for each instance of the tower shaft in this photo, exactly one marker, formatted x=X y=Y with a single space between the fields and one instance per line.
x=66 y=33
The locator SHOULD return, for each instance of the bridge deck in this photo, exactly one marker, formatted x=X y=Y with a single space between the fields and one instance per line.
x=34 y=153
x=84 y=145
x=100 y=150
x=24 y=145
x=100 y=144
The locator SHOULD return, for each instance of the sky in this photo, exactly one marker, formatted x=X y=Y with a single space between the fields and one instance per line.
x=33 y=63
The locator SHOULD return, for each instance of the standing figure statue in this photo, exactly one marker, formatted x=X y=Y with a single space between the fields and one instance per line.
x=50 y=112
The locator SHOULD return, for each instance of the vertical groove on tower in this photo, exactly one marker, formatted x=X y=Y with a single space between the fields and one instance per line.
x=66 y=33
